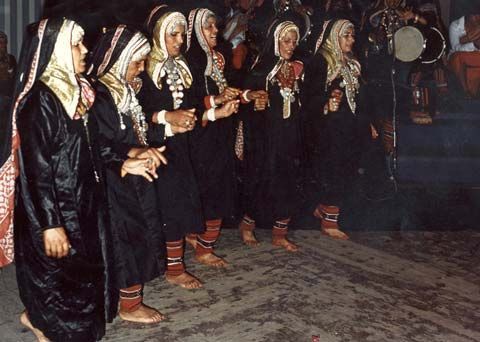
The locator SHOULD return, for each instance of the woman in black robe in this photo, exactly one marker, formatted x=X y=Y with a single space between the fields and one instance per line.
x=273 y=146
x=212 y=142
x=168 y=100
x=136 y=226
x=60 y=237
x=336 y=125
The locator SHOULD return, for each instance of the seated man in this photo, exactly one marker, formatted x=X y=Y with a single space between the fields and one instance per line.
x=465 y=55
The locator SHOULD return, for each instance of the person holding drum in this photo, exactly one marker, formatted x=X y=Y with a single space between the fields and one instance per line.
x=424 y=43
x=386 y=76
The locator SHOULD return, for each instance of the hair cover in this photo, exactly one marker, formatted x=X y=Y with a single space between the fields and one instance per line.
x=111 y=57
x=159 y=23
x=339 y=63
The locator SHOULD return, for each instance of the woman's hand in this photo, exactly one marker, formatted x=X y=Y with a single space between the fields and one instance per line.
x=257 y=94
x=227 y=95
x=179 y=130
x=182 y=118
x=334 y=100
x=56 y=242
x=406 y=14
x=155 y=154
x=373 y=132
x=227 y=109
x=140 y=167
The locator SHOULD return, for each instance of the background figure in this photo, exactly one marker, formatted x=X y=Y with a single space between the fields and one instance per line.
x=428 y=80
x=8 y=66
x=387 y=77
x=464 y=60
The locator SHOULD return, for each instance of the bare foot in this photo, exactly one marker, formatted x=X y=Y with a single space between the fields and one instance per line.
x=249 y=238
x=335 y=233
x=283 y=242
x=144 y=314
x=185 y=280
x=191 y=239
x=26 y=322
x=211 y=259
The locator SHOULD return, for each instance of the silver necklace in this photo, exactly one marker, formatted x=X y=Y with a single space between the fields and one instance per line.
x=174 y=82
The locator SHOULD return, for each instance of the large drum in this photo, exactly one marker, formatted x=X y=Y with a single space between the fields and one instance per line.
x=412 y=44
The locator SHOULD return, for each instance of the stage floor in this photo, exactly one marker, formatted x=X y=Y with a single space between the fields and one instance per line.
x=379 y=286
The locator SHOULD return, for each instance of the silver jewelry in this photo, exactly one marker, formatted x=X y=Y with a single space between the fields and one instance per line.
x=175 y=83
x=135 y=112
x=351 y=83
x=217 y=74
x=288 y=98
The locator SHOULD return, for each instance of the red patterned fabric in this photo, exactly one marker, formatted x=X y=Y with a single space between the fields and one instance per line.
x=8 y=173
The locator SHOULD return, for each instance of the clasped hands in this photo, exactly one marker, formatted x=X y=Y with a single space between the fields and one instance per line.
x=259 y=96
x=144 y=162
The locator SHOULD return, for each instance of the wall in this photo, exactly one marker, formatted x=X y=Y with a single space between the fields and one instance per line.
x=14 y=16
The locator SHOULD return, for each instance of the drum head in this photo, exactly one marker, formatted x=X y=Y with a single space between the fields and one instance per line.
x=409 y=43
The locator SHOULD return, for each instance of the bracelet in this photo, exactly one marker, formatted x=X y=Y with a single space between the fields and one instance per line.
x=212 y=102
x=211 y=114
x=325 y=109
x=244 y=96
x=161 y=117
x=168 y=131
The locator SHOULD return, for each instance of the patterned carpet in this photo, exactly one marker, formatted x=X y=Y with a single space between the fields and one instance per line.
x=379 y=286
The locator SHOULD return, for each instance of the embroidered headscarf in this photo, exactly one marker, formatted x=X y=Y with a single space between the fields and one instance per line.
x=196 y=20
x=199 y=51
x=59 y=75
x=158 y=57
x=280 y=31
x=113 y=54
x=339 y=64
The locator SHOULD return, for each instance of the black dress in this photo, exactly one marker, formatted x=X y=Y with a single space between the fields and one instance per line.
x=335 y=140
x=273 y=155
x=136 y=225
x=176 y=186
x=57 y=188
x=212 y=154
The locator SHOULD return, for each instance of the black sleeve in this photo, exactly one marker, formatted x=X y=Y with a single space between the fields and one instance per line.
x=41 y=129
x=255 y=80
x=194 y=97
x=104 y=125
x=155 y=134
x=151 y=103
x=147 y=99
